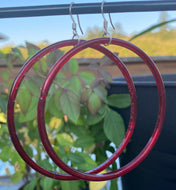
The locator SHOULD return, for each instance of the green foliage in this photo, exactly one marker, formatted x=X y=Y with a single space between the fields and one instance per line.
x=152 y=28
x=79 y=120
x=114 y=127
x=119 y=100
x=69 y=103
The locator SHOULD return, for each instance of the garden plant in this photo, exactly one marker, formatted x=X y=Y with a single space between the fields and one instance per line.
x=81 y=123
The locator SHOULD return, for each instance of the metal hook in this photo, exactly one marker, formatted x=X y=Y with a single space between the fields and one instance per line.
x=75 y=33
x=106 y=33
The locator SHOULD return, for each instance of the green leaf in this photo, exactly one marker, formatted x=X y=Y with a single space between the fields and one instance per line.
x=46 y=183
x=70 y=185
x=31 y=185
x=53 y=105
x=17 y=52
x=101 y=92
x=88 y=164
x=59 y=77
x=32 y=87
x=75 y=85
x=73 y=66
x=46 y=164
x=119 y=100
x=75 y=158
x=151 y=28
x=15 y=157
x=84 y=141
x=70 y=105
x=78 y=130
x=85 y=95
x=98 y=185
x=114 y=127
x=87 y=77
x=16 y=177
x=92 y=120
x=53 y=56
x=28 y=150
x=5 y=153
x=64 y=139
x=44 y=65
x=94 y=103
x=31 y=112
x=114 y=185
x=32 y=49
x=98 y=133
x=3 y=104
x=24 y=99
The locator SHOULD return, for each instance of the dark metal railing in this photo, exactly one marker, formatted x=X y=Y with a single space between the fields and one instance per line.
x=88 y=8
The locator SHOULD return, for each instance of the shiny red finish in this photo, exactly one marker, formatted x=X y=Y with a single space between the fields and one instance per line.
x=55 y=69
x=41 y=114
x=162 y=104
x=10 y=113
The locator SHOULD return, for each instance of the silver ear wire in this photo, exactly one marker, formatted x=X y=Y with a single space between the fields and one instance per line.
x=105 y=23
x=106 y=33
x=75 y=33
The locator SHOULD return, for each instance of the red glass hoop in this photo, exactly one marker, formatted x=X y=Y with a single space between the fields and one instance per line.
x=162 y=104
x=122 y=146
x=11 y=102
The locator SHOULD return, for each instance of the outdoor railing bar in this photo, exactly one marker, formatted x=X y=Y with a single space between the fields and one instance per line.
x=87 y=8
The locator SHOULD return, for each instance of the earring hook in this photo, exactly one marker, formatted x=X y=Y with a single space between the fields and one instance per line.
x=74 y=28
x=106 y=33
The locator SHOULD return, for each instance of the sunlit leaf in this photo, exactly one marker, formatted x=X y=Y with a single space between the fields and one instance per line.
x=152 y=28
x=5 y=153
x=16 y=177
x=97 y=185
x=55 y=123
x=64 y=139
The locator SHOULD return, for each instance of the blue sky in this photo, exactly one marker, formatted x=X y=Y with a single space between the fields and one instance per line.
x=56 y=28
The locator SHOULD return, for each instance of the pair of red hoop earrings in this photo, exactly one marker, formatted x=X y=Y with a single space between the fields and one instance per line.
x=93 y=174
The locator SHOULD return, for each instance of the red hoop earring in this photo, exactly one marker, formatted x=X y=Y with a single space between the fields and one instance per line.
x=162 y=104
x=13 y=94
